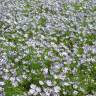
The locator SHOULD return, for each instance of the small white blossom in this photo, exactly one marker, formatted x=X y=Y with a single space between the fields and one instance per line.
x=66 y=84
x=57 y=89
x=32 y=86
x=1 y=89
x=1 y=83
x=38 y=89
x=41 y=82
x=75 y=86
x=75 y=92
x=6 y=70
x=26 y=35
x=16 y=60
x=31 y=91
x=45 y=70
x=49 y=83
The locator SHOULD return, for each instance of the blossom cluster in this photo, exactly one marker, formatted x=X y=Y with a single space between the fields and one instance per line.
x=48 y=47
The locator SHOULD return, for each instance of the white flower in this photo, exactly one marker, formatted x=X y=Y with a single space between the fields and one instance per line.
x=63 y=54
x=45 y=70
x=75 y=92
x=6 y=70
x=66 y=69
x=64 y=93
x=82 y=90
x=15 y=83
x=42 y=37
x=16 y=60
x=24 y=76
x=34 y=90
x=45 y=57
x=32 y=86
x=31 y=91
x=38 y=89
x=26 y=35
x=1 y=83
x=62 y=77
x=75 y=86
x=1 y=89
x=18 y=79
x=55 y=77
x=47 y=91
x=49 y=83
x=12 y=79
x=57 y=89
x=6 y=77
x=41 y=82
x=66 y=84
x=2 y=38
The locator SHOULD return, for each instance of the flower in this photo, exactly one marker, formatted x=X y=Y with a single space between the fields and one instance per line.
x=45 y=70
x=75 y=92
x=49 y=83
x=26 y=35
x=31 y=91
x=1 y=83
x=57 y=89
x=38 y=89
x=66 y=84
x=34 y=90
x=41 y=82
x=32 y=86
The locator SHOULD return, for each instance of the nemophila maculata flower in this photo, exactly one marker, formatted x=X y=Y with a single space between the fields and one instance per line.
x=48 y=47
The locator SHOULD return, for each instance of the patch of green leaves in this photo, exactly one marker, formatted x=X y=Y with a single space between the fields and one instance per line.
x=11 y=91
x=42 y=21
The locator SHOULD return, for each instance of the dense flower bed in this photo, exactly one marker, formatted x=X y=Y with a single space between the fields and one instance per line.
x=48 y=47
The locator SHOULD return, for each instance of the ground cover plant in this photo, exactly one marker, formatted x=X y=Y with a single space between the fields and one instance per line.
x=48 y=48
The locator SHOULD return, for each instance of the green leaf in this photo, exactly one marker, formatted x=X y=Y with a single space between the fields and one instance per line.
x=11 y=90
x=42 y=21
